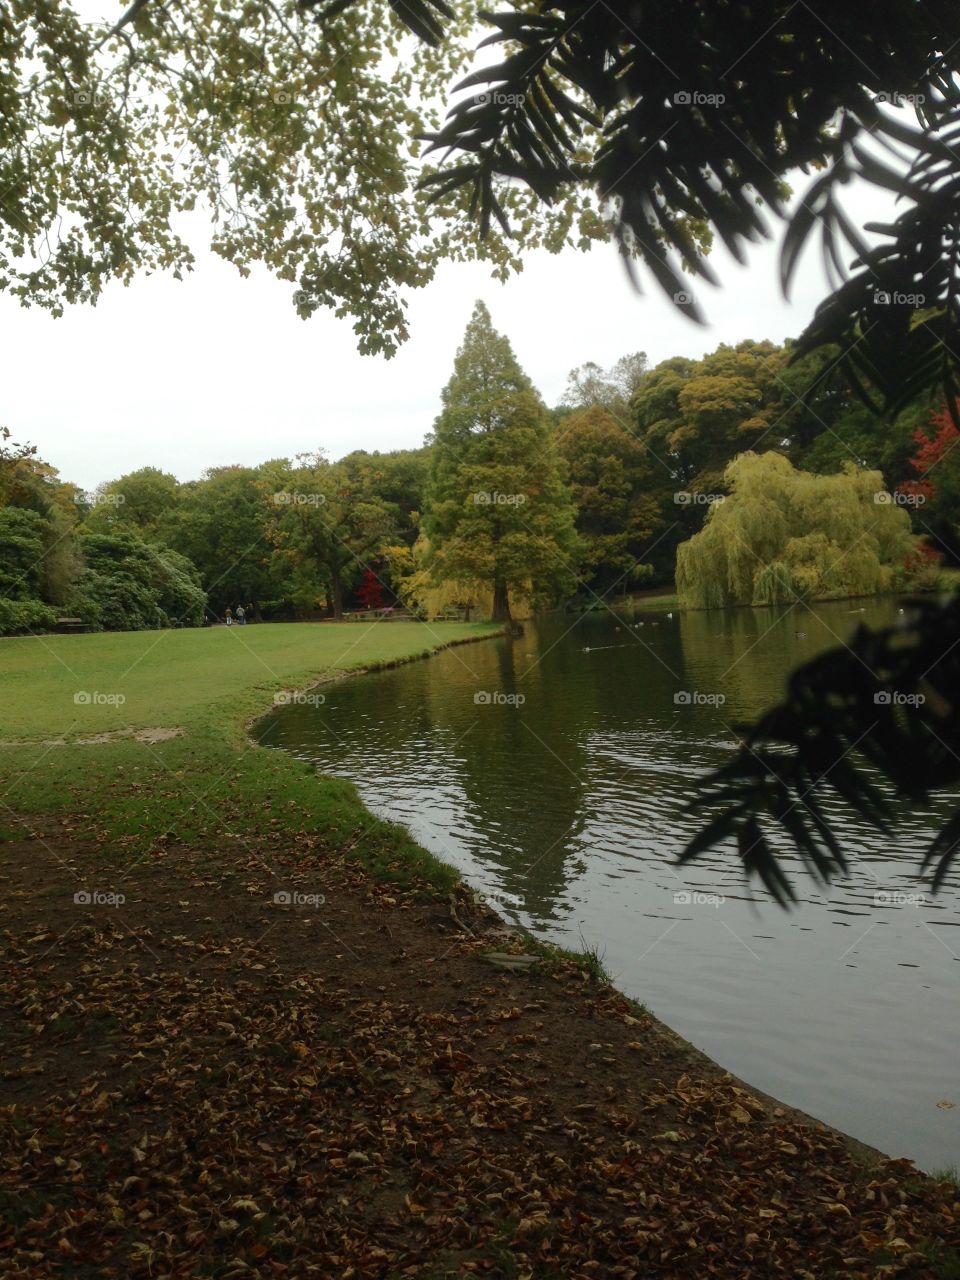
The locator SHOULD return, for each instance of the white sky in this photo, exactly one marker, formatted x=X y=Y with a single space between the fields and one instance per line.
x=217 y=369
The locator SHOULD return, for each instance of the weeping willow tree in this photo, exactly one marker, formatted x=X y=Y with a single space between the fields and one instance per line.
x=781 y=534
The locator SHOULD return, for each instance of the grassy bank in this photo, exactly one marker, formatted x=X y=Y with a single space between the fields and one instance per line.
x=208 y=783
x=360 y=1076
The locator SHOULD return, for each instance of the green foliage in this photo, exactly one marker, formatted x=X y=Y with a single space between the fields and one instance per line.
x=695 y=416
x=326 y=523
x=498 y=512
x=296 y=138
x=21 y=553
x=19 y=617
x=784 y=534
x=145 y=502
x=221 y=527
x=610 y=482
x=135 y=586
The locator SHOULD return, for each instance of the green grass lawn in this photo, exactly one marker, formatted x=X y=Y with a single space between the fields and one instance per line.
x=210 y=784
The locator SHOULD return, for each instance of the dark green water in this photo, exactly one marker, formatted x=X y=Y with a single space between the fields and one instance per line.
x=563 y=809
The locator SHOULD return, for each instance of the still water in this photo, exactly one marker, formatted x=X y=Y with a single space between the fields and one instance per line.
x=551 y=769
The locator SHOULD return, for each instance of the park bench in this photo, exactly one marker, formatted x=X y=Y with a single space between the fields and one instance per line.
x=66 y=625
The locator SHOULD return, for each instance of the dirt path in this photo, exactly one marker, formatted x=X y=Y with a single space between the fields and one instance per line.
x=200 y=1081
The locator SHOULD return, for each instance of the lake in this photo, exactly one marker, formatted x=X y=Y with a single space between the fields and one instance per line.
x=551 y=769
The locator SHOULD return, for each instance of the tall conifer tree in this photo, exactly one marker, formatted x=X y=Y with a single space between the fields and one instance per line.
x=498 y=510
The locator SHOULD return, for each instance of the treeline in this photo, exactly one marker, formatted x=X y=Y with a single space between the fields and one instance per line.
x=510 y=504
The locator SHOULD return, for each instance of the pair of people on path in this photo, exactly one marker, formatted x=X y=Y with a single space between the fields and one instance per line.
x=241 y=616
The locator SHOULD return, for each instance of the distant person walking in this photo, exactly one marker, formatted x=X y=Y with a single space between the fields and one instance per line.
x=241 y=616
x=228 y=617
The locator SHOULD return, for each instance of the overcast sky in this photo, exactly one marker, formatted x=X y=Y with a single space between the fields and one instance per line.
x=217 y=369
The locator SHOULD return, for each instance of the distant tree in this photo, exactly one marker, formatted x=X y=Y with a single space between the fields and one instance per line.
x=935 y=481
x=325 y=525
x=145 y=502
x=783 y=535
x=696 y=416
x=370 y=591
x=22 y=536
x=398 y=479
x=612 y=389
x=498 y=511
x=221 y=527
x=610 y=478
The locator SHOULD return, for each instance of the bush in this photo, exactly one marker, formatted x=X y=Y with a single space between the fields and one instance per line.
x=21 y=617
x=132 y=586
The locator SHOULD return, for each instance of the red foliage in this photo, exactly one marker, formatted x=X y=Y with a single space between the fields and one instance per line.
x=370 y=592
x=933 y=449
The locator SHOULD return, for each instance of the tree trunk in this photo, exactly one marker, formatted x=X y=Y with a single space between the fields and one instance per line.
x=336 y=596
x=501 y=601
